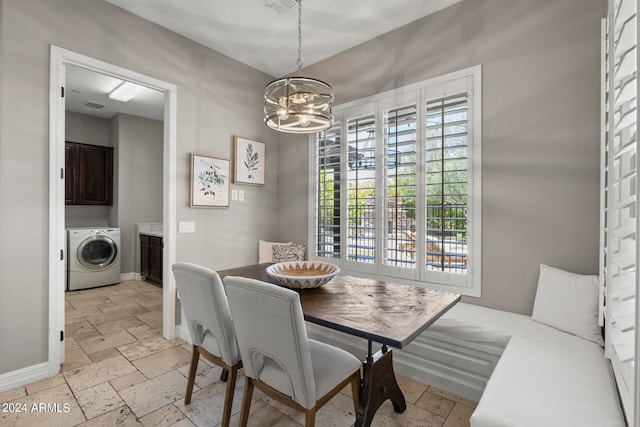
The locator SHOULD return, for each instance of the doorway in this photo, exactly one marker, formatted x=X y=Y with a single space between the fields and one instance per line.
x=61 y=59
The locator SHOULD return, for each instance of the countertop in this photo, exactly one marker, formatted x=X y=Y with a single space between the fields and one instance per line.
x=153 y=229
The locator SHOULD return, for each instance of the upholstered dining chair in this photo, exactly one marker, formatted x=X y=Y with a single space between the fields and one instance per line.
x=278 y=357
x=209 y=319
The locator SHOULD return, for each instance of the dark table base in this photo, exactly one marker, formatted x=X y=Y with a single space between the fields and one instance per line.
x=378 y=384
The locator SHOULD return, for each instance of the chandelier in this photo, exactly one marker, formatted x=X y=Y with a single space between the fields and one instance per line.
x=298 y=104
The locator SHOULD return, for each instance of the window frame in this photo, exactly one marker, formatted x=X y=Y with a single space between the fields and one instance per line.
x=469 y=284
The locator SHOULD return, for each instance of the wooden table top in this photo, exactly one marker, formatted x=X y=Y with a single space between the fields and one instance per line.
x=387 y=313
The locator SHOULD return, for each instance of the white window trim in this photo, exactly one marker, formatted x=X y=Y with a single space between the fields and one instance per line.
x=472 y=286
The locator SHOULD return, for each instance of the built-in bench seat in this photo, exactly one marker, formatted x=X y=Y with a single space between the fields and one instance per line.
x=543 y=376
x=547 y=369
x=522 y=372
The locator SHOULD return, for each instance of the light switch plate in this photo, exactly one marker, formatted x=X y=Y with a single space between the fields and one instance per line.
x=241 y=195
x=234 y=194
x=186 y=227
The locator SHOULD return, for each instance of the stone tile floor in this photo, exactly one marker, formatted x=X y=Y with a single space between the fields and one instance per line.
x=119 y=370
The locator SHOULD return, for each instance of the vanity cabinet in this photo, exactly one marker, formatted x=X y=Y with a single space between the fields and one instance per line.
x=151 y=258
x=88 y=174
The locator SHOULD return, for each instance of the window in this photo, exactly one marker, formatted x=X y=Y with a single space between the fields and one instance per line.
x=619 y=200
x=361 y=190
x=400 y=175
x=400 y=198
x=446 y=183
x=327 y=218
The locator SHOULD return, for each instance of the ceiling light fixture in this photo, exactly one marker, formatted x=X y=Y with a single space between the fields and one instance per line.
x=126 y=91
x=298 y=104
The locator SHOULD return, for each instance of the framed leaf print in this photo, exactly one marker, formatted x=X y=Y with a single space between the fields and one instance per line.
x=249 y=161
x=210 y=177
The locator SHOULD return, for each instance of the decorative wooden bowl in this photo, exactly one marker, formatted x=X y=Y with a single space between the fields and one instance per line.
x=302 y=274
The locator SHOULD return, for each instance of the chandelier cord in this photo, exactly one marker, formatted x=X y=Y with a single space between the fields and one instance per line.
x=298 y=104
x=299 y=37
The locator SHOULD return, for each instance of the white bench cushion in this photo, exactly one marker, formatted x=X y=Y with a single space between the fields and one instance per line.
x=554 y=383
x=568 y=302
x=493 y=328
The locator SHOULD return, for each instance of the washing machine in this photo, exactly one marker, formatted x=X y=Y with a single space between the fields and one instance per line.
x=93 y=256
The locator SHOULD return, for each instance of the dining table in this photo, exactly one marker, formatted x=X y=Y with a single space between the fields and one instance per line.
x=386 y=314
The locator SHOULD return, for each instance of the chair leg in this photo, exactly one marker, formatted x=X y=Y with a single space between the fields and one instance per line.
x=355 y=391
x=195 y=357
x=228 y=399
x=246 y=401
x=310 y=419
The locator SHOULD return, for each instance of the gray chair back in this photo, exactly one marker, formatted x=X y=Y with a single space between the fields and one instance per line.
x=272 y=337
x=206 y=310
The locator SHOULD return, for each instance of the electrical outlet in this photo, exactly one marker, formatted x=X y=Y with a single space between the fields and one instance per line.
x=186 y=227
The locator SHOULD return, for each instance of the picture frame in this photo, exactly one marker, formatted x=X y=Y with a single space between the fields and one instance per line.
x=250 y=161
x=210 y=181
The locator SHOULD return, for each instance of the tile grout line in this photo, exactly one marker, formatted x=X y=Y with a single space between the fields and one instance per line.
x=174 y=405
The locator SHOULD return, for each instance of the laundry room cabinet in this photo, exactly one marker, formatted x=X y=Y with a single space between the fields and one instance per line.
x=88 y=174
x=151 y=258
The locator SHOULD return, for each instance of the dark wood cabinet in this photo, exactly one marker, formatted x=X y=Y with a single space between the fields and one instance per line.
x=70 y=174
x=155 y=259
x=89 y=174
x=144 y=255
x=151 y=258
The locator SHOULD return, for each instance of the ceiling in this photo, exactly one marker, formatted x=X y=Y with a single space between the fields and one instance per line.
x=85 y=86
x=260 y=33
x=264 y=33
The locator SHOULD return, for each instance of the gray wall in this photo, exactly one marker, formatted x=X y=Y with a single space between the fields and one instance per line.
x=217 y=98
x=138 y=190
x=540 y=123
x=87 y=130
x=540 y=137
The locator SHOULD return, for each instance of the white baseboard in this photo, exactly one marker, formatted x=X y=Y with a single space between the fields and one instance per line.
x=31 y=374
x=182 y=331
x=125 y=277
x=24 y=376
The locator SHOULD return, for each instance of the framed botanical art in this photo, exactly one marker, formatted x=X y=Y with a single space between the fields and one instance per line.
x=250 y=161
x=210 y=178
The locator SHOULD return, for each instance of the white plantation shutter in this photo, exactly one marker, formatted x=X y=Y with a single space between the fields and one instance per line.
x=446 y=162
x=361 y=190
x=400 y=175
x=369 y=207
x=327 y=187
x=604 y=169
x=620 y=206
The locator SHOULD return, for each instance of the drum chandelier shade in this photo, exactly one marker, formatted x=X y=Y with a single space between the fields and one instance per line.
x=298 y=104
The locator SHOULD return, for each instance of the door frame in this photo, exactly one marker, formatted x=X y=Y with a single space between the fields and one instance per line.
x=59 y=59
